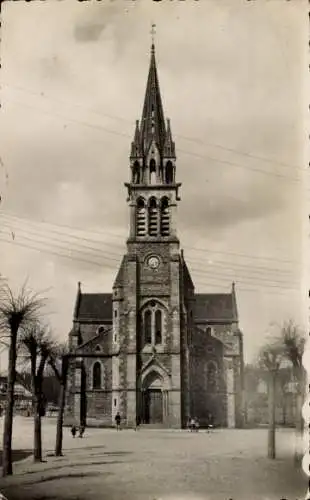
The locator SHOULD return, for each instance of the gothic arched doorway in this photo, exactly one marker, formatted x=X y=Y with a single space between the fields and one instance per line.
x=152 y=399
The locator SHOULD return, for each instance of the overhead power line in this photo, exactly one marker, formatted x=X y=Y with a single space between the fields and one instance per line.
x=43 y=95
x=218 y=268
x=213 y=282
x=122 y=237
x=191 y=153
x=105 y=261
x=119 y=250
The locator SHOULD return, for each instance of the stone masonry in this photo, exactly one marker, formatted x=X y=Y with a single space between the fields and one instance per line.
x=153 y=349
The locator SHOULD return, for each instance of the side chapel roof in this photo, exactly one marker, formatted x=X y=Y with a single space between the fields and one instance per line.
x=215 y=306
x=94 y=306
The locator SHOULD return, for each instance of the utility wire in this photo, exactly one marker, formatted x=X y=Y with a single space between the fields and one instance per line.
x=42 y=95
x=122 y=237
x=211 y=274
x=213 y=270
x=92 y=263
x=65 y=238
x=191 y=153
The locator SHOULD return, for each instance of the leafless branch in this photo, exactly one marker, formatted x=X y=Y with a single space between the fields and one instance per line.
x=18 y=310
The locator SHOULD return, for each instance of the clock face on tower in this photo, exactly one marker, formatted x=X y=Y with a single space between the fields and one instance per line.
x=153 y=262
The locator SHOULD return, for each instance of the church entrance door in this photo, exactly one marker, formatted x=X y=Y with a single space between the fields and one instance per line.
x=153 y=406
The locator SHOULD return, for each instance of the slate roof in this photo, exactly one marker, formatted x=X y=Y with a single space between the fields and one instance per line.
x=96 y=306
x=208 y=306
x=214 y=306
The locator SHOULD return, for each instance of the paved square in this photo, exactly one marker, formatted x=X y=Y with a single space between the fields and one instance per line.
x=156 y=464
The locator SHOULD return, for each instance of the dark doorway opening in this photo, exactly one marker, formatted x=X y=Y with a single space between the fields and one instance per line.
x=153 y=406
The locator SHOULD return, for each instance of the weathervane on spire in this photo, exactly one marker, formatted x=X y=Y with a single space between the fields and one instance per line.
x=153 y=33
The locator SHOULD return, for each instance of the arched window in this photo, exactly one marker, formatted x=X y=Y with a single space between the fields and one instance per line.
x=158 y=326
x=153 y=217
x=169 y=173
x=141 y=218
x=153 y=323
x=98 y=348
x=136 y=173
x=148 y=326
x=152 y=171
x=211 y=376
x=97 y=374
x=164 y=217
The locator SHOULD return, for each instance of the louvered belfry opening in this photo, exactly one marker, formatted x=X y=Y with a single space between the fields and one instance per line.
x=153 y=217
x=141 y=218
x=169 y=173
x=164 y=217
x=136 y=173
x=153 y=179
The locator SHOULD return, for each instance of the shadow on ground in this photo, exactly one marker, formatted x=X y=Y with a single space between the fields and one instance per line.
x=25 y=491
x=73 y=475
x=18 y=455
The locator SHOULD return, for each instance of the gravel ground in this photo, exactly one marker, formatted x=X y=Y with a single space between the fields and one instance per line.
x=156 y=465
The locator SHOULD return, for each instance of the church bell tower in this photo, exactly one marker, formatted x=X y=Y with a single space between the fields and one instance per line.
x=153 y=190
x=148 y=303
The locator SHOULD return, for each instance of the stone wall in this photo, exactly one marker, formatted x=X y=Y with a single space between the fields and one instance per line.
x=89 y=330
x=207 y=351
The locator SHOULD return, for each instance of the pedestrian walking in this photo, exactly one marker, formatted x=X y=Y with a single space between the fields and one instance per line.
x=196 y=426
x=118 y=421
x=192 y=425
x=81 y=430
x=210 y=421
x=73 y=431
x=138 y=422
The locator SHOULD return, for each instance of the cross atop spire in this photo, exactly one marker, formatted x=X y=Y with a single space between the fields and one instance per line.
x=153 y=33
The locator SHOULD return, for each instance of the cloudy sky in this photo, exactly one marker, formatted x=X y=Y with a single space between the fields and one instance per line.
x=232 y=78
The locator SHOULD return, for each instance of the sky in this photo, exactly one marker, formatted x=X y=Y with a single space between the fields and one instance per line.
x=233 y=82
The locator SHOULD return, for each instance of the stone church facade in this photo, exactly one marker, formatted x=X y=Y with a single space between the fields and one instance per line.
x=153 y=347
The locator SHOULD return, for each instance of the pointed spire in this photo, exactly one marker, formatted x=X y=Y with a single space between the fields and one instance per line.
x=153 y=121
x=169 y=147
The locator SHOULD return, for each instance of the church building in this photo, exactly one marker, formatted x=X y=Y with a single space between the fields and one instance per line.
x=154 y=348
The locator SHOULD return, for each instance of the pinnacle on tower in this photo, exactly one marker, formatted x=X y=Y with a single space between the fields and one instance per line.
x=136 y=144
x=169 y=146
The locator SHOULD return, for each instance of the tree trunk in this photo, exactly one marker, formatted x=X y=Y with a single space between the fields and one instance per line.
x=60 y=417
x=271 y=416
x=37 y=435
x=299 y=422
x=7 y=468
x=61 y=409
x=284 y=409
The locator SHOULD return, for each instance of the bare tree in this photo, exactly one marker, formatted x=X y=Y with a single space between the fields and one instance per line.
x=270 y=358
x=293 y=342
x=36 y=340
x=16 y=311
x=59 y=363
